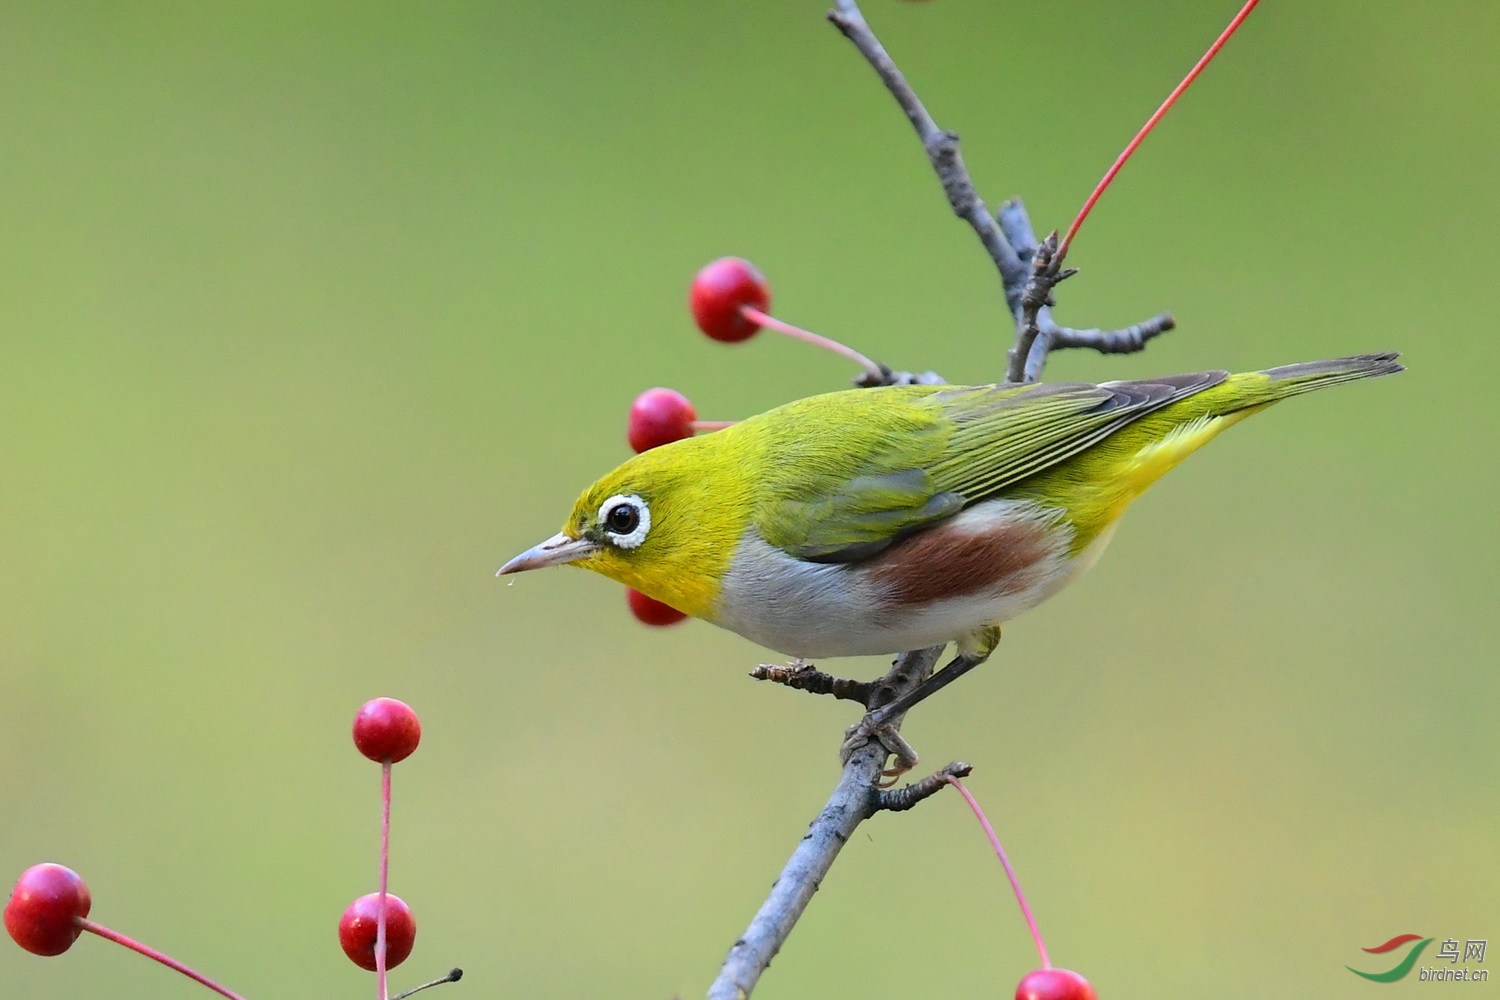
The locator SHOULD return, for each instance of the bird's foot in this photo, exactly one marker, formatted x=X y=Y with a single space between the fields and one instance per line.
x=873 y=727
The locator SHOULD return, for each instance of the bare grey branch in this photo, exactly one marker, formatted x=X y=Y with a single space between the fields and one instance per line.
x=1016 y=225
x=1124 y=341
x=1028 y=272
x=941 y=147
x=1007 y=234
x=853 y=801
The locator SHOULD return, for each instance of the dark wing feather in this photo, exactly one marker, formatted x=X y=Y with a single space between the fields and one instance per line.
x=1001 y=438
x=958 y=446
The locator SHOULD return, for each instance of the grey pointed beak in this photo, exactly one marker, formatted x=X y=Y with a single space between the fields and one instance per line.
x=554 y=551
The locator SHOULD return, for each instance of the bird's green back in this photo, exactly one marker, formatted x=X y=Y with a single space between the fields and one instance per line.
x=846 y=474
x=840 y=477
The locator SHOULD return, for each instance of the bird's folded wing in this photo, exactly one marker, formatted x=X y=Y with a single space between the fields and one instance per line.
x=954 y=447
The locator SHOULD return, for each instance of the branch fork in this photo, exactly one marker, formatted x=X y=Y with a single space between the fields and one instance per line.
x=1029 y=271
x=855 y=799
x=1006 y=234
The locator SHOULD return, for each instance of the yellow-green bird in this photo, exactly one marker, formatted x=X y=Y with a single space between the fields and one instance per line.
x=888 y=519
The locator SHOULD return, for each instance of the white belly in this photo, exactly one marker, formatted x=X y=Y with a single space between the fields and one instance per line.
x=812 y=610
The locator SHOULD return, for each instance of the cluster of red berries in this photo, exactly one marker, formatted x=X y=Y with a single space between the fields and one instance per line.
x=49 y=907
x=723 y=298
x=377 y=931
x=729 y=299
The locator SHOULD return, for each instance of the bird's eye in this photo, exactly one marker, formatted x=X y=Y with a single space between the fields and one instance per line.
x=625 y=520
x=622 y=518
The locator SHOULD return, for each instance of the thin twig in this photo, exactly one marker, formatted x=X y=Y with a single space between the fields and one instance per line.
x=1126 y=340
x=806 y=677
x=1007 y=235
x=942 y=150
x=453 y=976
x=1046 y=272
x=1016 y=224
x=853 y=801
x=907 y=797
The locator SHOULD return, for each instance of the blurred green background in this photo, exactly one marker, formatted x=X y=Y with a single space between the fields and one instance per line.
x=311 y=314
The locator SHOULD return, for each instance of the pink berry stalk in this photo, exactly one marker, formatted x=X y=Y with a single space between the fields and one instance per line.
x=385 y=872
x=807 y=336
x=1187 y=81
x=155 y=955
x=1010 y=873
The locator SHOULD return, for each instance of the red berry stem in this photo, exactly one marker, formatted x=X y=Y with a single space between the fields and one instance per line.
x=155 y=955
x=1010 y=873
x=1109 y=176
x=873 y=369
x=385 y=871
x=712 y=425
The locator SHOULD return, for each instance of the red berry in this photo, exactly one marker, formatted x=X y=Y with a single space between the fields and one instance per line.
x=358 y=927
x=658 y=417
x=718 y=293
x=1055 y=984
x=45 y=909
x=386 y=730
x=650 y=610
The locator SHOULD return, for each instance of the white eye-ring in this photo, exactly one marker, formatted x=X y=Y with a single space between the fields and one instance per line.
x=625 y=519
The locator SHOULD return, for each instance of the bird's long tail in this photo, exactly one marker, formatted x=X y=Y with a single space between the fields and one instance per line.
x=1143 y=452
x=1256 y=389
x=1097 y=486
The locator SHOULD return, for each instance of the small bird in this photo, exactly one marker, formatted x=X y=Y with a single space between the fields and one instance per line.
x=895 y=518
